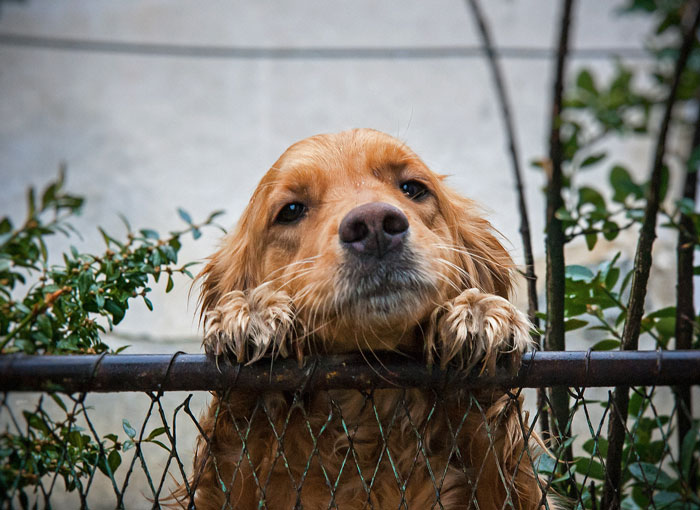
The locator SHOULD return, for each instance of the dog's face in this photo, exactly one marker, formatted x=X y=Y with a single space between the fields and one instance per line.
x=364 y=238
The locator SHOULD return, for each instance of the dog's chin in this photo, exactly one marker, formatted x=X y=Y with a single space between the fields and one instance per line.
x=384 y=293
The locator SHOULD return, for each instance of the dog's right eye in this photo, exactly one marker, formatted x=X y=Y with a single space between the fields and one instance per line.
x=290 y=213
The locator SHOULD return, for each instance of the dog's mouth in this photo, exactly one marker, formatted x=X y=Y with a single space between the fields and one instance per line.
x=383 y=289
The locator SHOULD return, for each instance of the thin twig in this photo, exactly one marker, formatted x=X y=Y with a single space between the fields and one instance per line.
x=640 y=278
x=554 y=333
x=504 y=103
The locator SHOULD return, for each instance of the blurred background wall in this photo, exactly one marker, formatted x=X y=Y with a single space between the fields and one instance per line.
x=154 y=105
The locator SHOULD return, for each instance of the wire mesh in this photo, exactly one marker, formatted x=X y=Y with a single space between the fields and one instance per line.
x=375 y=448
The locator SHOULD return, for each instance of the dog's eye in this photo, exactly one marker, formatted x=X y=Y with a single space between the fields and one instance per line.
x=290 y=213
x=414 y=190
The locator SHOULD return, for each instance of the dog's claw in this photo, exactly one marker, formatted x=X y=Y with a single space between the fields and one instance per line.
x=249 y=324
x=476 y=327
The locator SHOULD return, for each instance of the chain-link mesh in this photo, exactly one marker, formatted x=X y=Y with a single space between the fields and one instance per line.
x=338 y=449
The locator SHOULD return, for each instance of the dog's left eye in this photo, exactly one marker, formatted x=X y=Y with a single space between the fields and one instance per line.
x=290 y=213
x=414 y=190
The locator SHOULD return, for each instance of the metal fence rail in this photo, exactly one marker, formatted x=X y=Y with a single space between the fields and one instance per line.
x=196 y=372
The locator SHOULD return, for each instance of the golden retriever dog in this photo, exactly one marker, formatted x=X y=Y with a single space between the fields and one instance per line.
x=350 y=243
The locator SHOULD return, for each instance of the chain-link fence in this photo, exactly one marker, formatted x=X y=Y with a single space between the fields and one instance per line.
x=340 y=433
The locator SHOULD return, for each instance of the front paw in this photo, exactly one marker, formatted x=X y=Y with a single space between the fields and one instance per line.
x=478 y=328
x=249 y=324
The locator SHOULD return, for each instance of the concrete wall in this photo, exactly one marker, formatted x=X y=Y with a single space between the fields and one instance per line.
x=144 y=134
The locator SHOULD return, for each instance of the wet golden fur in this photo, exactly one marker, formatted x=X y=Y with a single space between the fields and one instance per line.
x=280 y=289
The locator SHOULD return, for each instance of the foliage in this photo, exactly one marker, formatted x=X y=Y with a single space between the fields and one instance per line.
x=61 y=304
x=48 y=308
x=597 y=111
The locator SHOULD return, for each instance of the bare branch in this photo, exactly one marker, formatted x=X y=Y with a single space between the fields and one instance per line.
x=685 y=307
x=506 y=115
x=554 y=333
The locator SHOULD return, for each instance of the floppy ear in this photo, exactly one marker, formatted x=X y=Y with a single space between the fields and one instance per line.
x=228 y=269
x=234 y=265
x=485 y=260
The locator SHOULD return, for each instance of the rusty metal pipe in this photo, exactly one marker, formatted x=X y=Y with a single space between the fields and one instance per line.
x=197 y=372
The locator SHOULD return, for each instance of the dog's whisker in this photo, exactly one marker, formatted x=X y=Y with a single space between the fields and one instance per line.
x=469 y=278
x=464 y=251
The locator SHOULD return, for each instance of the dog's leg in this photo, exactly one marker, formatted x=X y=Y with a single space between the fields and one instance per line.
x=476 y=327
x=250 y=324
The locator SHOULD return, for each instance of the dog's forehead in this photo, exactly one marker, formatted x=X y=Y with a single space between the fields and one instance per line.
x=342 y=158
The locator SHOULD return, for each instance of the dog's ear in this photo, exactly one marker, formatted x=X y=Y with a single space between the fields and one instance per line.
x=484 y=260
x=233 y=266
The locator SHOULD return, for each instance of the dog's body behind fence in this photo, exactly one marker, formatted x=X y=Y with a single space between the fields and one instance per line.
x=345 y=449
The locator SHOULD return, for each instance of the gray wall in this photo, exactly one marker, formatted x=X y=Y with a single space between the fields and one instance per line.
x=142 y=134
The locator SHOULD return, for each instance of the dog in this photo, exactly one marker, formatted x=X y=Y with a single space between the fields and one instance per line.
x=350 y=243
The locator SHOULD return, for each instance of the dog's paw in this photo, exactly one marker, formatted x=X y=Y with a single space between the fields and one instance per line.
x=478 y=328
x=249 y=324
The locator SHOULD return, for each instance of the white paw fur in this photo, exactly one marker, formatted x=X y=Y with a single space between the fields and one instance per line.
x=250 y=324
x=476 y=327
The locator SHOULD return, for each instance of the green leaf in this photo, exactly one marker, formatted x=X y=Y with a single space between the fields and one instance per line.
x=213 y=215
x=34 y=421
x=49 y=195
x=44 y=325
x=687 y=452
x=75 y=438
x=665 y=500
x=115 y=309
x=184 y=215
x=148 y=233
x=572 y=324
x=585 y=82
x=606 y=345
x=610 y=230
x=591 y=468
x=155 y=433
x=546 y=464
x=596 y=447
x=159 y=443
x=58 y=401
x=593 y=159
x=84 y=282
x=650 y=475
x=128 y=428
x=589 y=195
x=579 y=273
x=591 y=240
x=666 y=328
x=623 y=185
x=636 y=403
x=31 y=203
x=170 y=284
x=669 y=311
x=114 y=460
x=611 y=278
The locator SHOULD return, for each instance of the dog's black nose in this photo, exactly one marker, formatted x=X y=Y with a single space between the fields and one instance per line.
x=373 y=229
